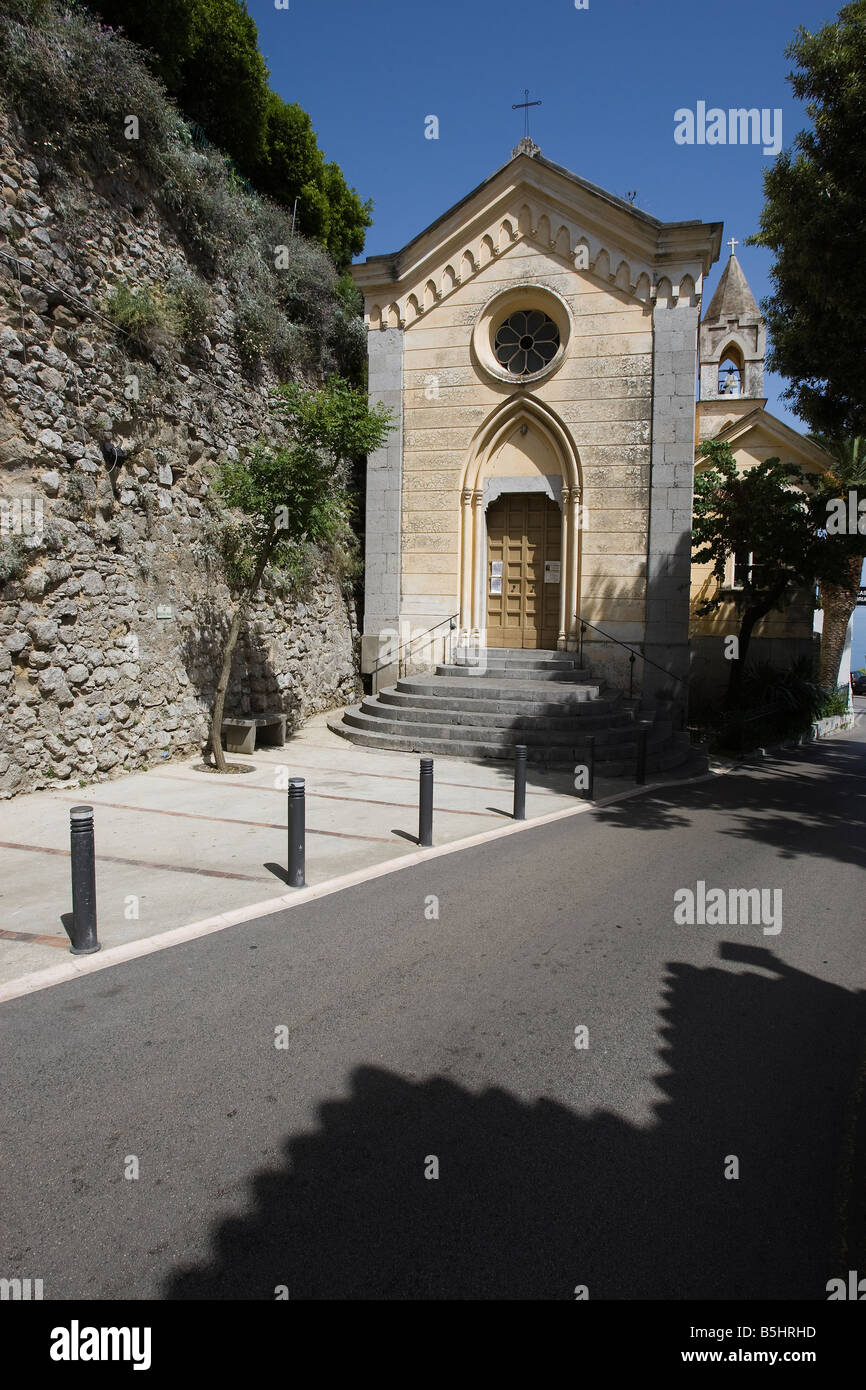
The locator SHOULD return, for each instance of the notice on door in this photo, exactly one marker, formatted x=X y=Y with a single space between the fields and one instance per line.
x=551 y=571
x=496 y=576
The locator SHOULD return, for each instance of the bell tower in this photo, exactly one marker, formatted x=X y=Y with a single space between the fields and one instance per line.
x=733 y=341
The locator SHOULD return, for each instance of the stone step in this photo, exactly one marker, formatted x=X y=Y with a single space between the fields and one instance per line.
x=523 y=671
x=610 y=762
x=512 y=690
x=494 y=735
x=413 y=710
x=535 y=708
x=500 y=656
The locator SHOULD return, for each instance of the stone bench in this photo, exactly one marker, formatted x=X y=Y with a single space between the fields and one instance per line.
x=239 y=734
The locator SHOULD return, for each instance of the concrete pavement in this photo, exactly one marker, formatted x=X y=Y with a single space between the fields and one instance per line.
x=175 y=844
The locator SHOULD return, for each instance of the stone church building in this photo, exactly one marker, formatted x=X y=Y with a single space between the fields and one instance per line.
x=538 y=346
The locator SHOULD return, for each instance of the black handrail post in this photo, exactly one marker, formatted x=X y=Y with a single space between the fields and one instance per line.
x=590 y=767
x=425 y=804
x=297 y=833
x=631 y=661
x=452 y=621
x=680 y=680
x=640 y=771
x=520 y=781
x=82 y=933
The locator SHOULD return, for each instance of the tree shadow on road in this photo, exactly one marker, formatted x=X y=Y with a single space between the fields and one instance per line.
x=789 y=811
x=534 y=1199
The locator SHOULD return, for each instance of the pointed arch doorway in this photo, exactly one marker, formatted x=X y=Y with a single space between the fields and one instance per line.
x=520 y=532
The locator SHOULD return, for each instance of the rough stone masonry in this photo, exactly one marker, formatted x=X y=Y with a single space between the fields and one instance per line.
x=112 y=598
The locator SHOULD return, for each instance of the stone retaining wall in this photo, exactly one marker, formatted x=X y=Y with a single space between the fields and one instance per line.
x=113 y=600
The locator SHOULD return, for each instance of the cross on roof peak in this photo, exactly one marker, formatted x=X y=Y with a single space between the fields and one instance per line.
x=524 y=107
x=732 y=243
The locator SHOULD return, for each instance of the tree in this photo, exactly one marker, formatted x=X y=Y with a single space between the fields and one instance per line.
x=206 y=52
x=293 y=167
x=225 y=81
x=291 y=156
x=165 y=28
x=814 y=219
x=348 y=217
x=291 y=495
x=838 y=600
x=771 y=525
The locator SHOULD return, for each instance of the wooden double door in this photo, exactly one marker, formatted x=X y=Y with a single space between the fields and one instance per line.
x=523 y=579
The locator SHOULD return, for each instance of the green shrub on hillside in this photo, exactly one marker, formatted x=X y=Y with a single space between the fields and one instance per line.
x=19 y=553
x=14 y=559
x=151 y=314
x=73 y=83
x=257 y=322
x=206 y=52
x=136 y=309
x=293 y=167
x=192 y=305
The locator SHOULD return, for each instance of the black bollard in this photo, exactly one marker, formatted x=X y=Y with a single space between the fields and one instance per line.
x=425 y=804
x=640 y=771
x=520 y=781
x=590 y=767
x=297 y=834
x=82 y=933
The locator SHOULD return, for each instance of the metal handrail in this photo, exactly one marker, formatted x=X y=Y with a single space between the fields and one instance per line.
x=452 y=622
x=584 y=624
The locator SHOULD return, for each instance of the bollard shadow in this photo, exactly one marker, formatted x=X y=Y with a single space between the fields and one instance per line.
x=279 y=872
x=406 y=835
x=67 y=921
x=532 y=1198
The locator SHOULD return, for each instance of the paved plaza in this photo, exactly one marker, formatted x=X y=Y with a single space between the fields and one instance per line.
x=175 y=845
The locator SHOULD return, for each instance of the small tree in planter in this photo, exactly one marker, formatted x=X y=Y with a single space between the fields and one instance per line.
x=293 y=494
x=768 y=521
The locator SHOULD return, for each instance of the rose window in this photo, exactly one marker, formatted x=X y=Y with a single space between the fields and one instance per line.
x=526 y=342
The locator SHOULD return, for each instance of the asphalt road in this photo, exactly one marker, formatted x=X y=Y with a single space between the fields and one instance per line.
x=411 y=1037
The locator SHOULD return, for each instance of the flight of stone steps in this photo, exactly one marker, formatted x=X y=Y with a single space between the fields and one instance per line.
x=539 y=698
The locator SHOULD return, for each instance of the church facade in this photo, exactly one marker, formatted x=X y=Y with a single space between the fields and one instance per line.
x=538 y=347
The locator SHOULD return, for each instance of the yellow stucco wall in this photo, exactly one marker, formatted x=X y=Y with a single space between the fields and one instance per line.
x=794 y=621
x=602 y=393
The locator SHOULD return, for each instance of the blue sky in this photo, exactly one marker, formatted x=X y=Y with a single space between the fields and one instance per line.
x=610 y=79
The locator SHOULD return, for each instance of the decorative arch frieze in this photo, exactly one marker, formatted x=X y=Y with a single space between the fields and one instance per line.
x=574 y=245
x=601 y=265
x=688 y=294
